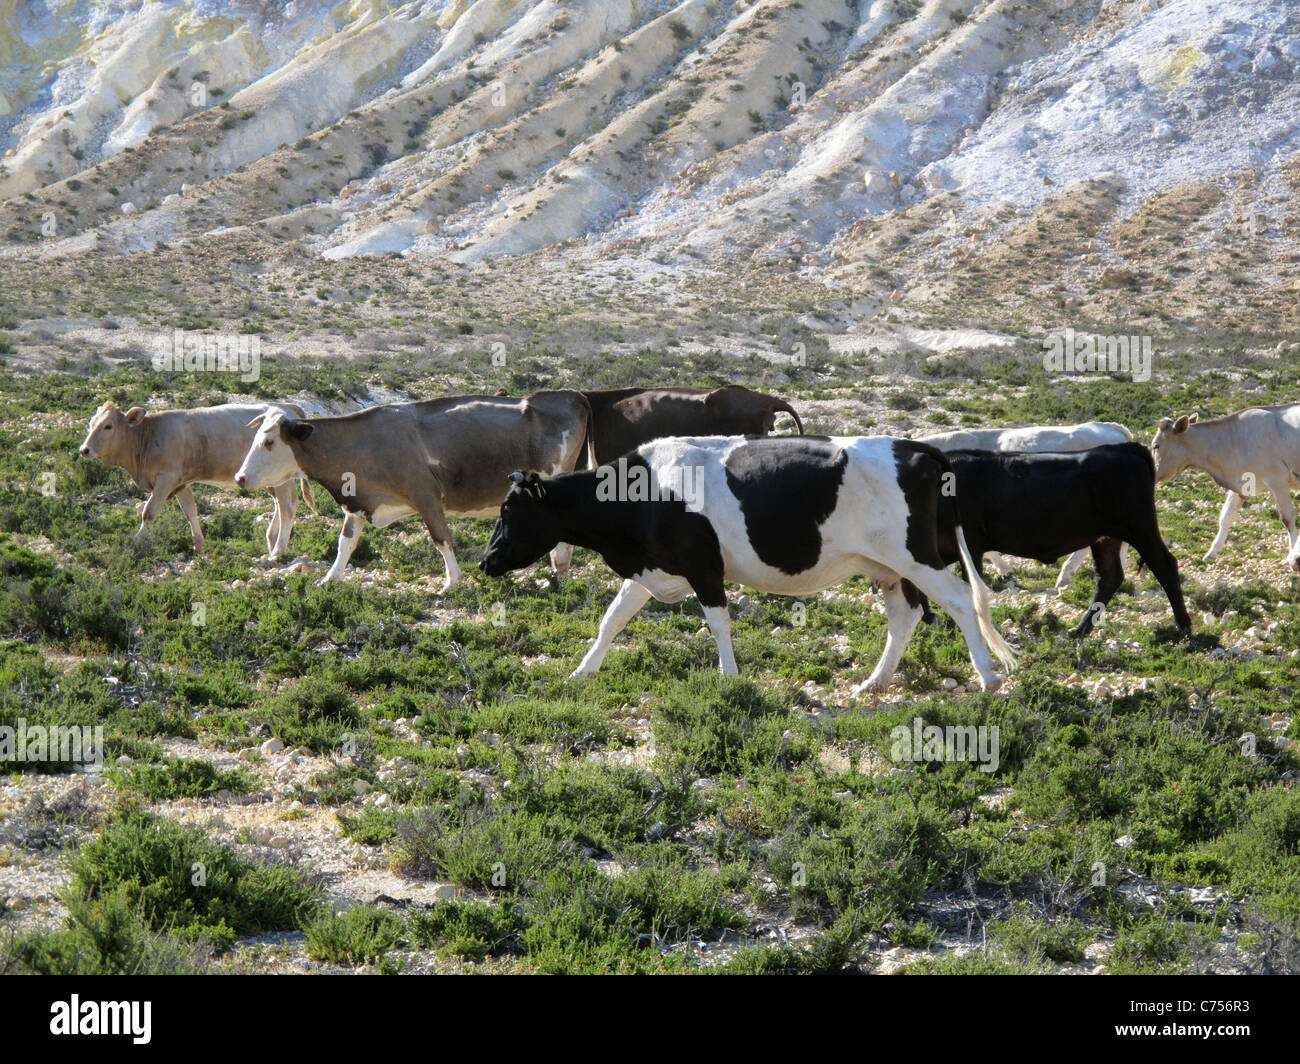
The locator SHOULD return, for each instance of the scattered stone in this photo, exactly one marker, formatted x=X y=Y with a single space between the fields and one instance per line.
x=271 y=747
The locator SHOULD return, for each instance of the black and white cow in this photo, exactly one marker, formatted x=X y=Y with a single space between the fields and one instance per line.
x=1043 y=506
x=784 y=514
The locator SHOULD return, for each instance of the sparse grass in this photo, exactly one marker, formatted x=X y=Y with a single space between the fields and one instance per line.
x=579 y=847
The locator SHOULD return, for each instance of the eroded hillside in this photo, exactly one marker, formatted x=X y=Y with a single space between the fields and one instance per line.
x=947 y=156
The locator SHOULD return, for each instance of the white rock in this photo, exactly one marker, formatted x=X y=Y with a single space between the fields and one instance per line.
x=360 y=787
x=271 y=746
x=1265 y=62
x=128 y=208
x=948 y=684
x=383 y=801
x=1162 y=131
x=1125 y=841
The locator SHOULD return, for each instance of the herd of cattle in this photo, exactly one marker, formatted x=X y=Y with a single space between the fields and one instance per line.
x=682 y=490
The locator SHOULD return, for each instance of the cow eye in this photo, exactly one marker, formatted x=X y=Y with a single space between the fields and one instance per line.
x=270 y=444
x=108 y=428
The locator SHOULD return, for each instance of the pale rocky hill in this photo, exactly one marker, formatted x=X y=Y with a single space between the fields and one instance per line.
x=960 y=154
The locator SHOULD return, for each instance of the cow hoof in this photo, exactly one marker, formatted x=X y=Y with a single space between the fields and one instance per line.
x=1210 y=555
x=580 y=674
x=992 y=684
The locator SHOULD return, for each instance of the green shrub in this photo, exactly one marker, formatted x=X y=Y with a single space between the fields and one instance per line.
x=361 y=935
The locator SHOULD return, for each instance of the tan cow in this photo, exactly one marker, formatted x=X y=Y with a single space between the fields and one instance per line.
x=1245 y=452
x=452 y=455
x=167 y=451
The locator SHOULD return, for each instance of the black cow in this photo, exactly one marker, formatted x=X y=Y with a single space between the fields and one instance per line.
x=623 y=419
x=1049 y=504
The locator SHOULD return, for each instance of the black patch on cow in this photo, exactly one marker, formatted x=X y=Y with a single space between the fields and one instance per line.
x=667 y=536
x=787 y=489
x=632 y=535
x=920 y=476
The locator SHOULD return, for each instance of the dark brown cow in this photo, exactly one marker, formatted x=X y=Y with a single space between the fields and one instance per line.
x=624 y=418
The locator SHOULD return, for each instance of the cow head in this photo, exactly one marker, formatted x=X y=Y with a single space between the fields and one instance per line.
x=270 y=458
x=1168 y=447
x=109 y=435
x=524 y=531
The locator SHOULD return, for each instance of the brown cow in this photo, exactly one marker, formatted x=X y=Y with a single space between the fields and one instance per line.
x=625 y=418
x=451 y=455
x=166 y=452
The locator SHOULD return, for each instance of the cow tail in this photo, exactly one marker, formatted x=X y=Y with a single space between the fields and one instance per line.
x=307 y=496
x=983 y=600
x=782 y=406
x=589 y=432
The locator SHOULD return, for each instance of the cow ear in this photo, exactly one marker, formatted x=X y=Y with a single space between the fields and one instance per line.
x=257 y=420
x=299 y=430
x=1191 y=419
x=517 y=478
x=1164 y=422
x=134 y=415
x=1180 y=425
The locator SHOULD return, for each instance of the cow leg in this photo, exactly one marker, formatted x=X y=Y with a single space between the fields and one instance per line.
x=185 y=499
x=273 y=526
x=561 y=557
x=1286 y=510
x=1110 y=574
x=903 y=617
x=349 y=536
x=286 y=505
x=162 y=491
x=957 y=599
x=999 y=563
x=1227 y=515
x=914 y=598
x=1070 y=567
x=436 y=522
x=1165 y=569
x=629 y=600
